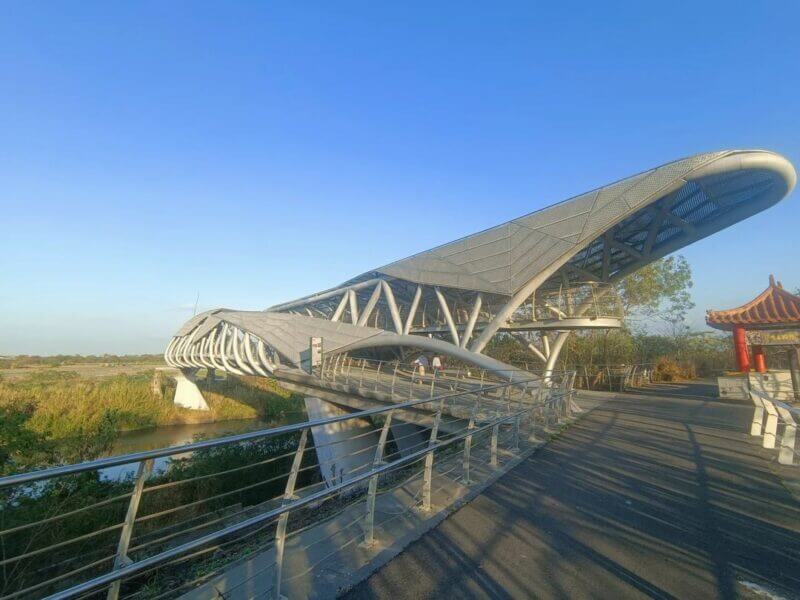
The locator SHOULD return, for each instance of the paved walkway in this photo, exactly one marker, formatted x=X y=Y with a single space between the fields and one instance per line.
x=647 y=496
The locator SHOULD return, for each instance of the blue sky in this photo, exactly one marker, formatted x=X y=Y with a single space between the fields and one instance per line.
x=254 y=152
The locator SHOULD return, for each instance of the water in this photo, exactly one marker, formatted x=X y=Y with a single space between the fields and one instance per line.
x=179 y=435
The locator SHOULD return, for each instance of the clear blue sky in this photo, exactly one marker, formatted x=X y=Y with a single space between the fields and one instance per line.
x=153 y=150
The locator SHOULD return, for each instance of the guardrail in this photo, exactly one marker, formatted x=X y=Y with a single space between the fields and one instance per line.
x=190 y=511
x=586 y=300
x=781 y=421
x=615 y=377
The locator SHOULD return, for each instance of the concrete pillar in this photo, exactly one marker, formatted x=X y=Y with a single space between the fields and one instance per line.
x=187 y=394
x=408 y=437
x=211 y=374
x=740 y=347
x=759 y=360
x=344 y=449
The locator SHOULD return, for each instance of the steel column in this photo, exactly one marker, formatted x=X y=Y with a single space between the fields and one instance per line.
x=369 y=526
x=121 y=559
x=283 y=519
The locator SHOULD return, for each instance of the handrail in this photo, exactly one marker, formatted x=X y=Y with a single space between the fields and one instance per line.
x=779 y=414
x=192 y=521
x=135 y=457
x=187 y=547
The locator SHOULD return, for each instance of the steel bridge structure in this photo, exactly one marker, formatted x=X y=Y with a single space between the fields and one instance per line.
x=538 y=277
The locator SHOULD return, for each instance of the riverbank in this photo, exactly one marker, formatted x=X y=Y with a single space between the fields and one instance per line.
x=53 y=414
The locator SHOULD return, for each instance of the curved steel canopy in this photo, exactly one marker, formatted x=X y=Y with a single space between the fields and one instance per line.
x=477 y=285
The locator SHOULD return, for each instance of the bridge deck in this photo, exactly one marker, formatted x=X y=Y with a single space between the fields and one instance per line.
x=647 y=496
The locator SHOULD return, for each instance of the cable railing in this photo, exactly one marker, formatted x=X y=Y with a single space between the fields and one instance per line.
x=778 y=428
x=71 y=531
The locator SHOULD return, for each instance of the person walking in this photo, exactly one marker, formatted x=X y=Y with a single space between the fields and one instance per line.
x=422 y=364
x=436 y=364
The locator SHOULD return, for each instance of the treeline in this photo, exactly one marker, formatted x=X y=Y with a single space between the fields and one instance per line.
x=24 y=360
x=685 y=356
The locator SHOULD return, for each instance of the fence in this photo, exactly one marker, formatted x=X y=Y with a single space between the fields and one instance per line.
x=191 y=511
x=781 y=422
x=614 y=378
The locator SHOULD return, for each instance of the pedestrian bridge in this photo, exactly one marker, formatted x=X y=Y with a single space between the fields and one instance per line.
x=509 y=493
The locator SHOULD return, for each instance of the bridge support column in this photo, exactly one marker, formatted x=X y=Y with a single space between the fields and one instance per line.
x=555 y=350
x=187 y=394
x=342 y=448
x=408 y=437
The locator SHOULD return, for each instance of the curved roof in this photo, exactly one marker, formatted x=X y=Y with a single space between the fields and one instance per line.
x=694 y=197
x=774 y=307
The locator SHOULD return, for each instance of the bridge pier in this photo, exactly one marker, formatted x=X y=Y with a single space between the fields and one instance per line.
x=187 y=394
x=346 y=449
x=342 y=448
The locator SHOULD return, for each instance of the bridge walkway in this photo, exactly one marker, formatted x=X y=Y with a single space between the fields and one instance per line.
x=647 y=496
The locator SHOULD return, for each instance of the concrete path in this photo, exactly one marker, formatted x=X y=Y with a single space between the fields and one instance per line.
x=647 y=496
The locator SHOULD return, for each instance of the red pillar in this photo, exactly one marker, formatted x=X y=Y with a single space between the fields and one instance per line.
x=759 y=360
x=740 y=347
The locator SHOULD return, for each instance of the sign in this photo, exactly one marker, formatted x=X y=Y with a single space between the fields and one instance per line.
x=315 y=352
x=774 y=337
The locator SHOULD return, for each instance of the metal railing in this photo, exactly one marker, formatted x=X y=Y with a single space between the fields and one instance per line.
x=781 y=422
x=190 y=511
x=614 y=378
x=585 y=300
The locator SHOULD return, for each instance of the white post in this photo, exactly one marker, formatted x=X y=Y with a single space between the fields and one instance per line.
x=468 y=443
x=369 y=535
x=121 y=559
x=758 y=415
x=786 y=456
x=495 y=431
x=288 y=496
x=428 y=474
x=771 y=427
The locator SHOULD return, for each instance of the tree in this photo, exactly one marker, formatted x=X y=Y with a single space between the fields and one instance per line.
x=660 y=291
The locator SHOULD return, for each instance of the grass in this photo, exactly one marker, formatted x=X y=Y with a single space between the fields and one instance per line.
x=82 y=416
x=24 y=361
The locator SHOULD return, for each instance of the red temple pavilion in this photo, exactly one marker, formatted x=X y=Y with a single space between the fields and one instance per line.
x=772 y=318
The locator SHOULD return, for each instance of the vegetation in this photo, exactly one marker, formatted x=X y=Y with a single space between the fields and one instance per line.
x=54 y=416
x=656 y=299
x=26 y=361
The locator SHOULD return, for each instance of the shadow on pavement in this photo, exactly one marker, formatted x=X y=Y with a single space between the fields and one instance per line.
x=647 y=496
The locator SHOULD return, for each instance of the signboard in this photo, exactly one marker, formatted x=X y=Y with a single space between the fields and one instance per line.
x=315 y=352
x=774 y=337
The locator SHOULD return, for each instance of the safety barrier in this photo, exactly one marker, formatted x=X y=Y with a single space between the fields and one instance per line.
x=191 y=511
x=780 y=422
x=615 y=378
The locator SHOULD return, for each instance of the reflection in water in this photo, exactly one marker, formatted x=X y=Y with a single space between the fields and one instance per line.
x=179 y=435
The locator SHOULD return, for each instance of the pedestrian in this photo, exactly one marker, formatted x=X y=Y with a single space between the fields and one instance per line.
x=422 y=363
x=436 y=364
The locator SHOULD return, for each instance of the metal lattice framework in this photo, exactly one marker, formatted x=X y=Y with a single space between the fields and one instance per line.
x=551 y=271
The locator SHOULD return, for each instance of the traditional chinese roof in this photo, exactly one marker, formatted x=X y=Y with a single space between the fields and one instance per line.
x=774 y=307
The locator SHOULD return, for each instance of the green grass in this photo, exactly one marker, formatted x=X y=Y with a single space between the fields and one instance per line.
x=78 y=418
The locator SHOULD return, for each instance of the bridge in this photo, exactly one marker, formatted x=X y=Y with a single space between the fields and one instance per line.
x=652 y=492
x=560 y=492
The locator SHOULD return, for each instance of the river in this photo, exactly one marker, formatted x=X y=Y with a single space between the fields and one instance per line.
x=179 y=435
